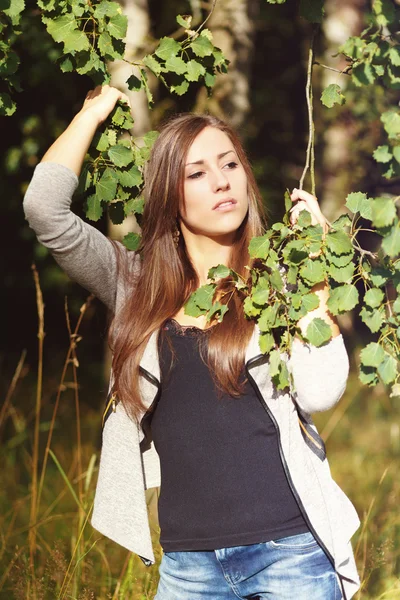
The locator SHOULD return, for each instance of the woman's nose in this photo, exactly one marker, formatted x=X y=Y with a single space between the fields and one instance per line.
x=220 y=181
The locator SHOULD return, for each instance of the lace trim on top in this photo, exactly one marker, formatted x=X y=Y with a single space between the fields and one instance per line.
x=185 y=330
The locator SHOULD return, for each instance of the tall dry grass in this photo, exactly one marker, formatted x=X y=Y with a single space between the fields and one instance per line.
x=49 y=457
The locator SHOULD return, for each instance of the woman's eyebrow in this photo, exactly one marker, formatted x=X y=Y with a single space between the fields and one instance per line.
x=201 y=161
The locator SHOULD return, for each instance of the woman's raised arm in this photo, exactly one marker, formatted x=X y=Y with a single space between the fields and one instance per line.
x=83 y=252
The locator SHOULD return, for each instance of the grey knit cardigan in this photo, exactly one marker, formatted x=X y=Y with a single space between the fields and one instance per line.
x=128 y=467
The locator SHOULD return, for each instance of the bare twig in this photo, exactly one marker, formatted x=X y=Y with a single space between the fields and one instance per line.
x=309 y=96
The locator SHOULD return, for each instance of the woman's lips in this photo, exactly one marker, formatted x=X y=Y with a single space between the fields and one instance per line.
x=225 y=205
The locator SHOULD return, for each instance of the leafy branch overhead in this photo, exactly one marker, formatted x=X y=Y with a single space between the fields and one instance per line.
x=92 y=34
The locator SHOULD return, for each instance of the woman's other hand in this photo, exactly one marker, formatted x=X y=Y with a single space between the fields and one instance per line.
x=305 y=201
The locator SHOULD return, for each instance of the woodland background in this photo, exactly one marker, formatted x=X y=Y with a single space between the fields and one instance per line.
x=263 y=95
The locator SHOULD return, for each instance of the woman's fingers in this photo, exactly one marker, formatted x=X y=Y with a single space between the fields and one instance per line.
x=102 y=99
x=305 y=201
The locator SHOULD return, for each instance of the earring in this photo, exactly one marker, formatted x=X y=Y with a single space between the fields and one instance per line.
x=176 y=235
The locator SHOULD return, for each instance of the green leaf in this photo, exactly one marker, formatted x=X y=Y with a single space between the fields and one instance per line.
x=385 y=12
x=76 y=41
x=367 y=375
x=151 y=63
x=192 y=309
x=339 y=261
x=379 y=275
x=94 y=208
x=372 y=355
x=150 y=137
x=219 y=272
x=363 y=74
x=332 y=95
x=383 y=212
x=372 y=317
x=167 y=48
x=394 y=56
x=249 y=309
x=261 y=297
x=132 y=241
x=342 y=298
x=13 y=10
x=391 y=122
x=338 y=242
x=130 y=178
x=276 y=280
x=396 y=153
x=396 y=305
x=107 y=185
x=388 y=369
x=105 y=44
x=202 y=46
x=342 y=274
x=106 y=9
x=288 y=201
x=175 y=64
x=134 y=206
x=266 y=342
x=359 y=202
x=194 y=70
x=209 y=79
x=295 y=252
x=259 y=247
x=382 y=154
x=318 y=332
x=310 y=301
x=60 y=27
x=282 y=381
x=268 y=317
x=66 y=65
x=203 y=297
x=7 y=105
x=274 y=362
x=217 y=312
x=391 y=242
x=120 y=155
x=101 y=141
x=117 y=26
x=374 y=297
x=180 y=89
x=313 y=271
x=184 y=21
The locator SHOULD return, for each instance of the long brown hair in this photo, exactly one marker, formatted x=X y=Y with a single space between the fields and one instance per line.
x=167 y=276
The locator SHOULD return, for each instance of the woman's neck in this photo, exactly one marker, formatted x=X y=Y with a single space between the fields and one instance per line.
x=205 y=252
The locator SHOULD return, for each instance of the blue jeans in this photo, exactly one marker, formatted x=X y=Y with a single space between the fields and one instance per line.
x=291 y=567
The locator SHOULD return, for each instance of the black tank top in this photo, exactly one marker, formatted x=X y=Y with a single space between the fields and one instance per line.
x=222 y=478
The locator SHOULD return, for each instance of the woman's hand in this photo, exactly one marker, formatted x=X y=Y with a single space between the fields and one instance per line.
x=71 y=147
x=101 y=101
x=306 y=201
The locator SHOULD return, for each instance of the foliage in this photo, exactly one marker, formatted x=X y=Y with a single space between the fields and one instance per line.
x=292 y=262
x=10 y=14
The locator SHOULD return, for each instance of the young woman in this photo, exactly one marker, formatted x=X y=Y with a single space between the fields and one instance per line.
x=248 y=508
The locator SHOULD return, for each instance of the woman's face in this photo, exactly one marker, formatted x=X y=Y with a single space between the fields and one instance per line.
x=215 y=186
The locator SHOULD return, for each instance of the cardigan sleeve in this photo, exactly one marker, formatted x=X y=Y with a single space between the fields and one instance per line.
x=319 y=374
x=84 y=253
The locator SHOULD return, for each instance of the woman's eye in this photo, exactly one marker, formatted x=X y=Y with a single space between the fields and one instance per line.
x=195 y=175
x=231 y=165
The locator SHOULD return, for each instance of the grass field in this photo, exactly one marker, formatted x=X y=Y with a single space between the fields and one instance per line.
x=49 y=459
